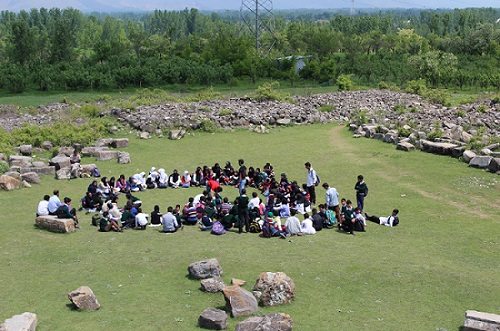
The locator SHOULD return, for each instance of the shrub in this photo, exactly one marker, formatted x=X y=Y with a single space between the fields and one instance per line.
x=434 y=134
x=326 y=108
x=400 y=109
x=206 y=94
x=413 y=109
x=360 y=117
x=90 y=110
x=416 y=87
x=482 y=109
x=402 y=132
x=268 y=92
x=344 y=83
x=207 y=125
x=461 y=113
x=225 y=112
x=4 y=167
x=205 y=109
x=383 y=85
x=438 y=96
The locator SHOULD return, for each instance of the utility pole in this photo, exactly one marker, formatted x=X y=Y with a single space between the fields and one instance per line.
x=257 y=18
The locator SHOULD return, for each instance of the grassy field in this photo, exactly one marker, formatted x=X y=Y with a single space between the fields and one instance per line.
x=422 y=275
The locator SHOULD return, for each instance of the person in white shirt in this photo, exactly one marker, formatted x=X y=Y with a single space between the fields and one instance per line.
x=391 y=221
x=307 y=225
x=254 y=202
x=43 y=206
x=292 y=225
x=141 y=219
x=312 y=178
x=332 y=199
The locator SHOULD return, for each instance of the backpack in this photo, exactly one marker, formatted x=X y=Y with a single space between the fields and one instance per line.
x=96 y=172
x=317 y=180
x=96 y=218
x=331 y=219
x=266 y=229
x=255 y=227
x=218 y=228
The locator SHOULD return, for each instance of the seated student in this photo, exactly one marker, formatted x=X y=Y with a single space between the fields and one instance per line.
x=317 y=220
x=65 y=211
x=152 y=180
x=224 y=207
x=216 y=171
x=254 y=202
x=97 y=201
x=293 y=225
x=103 y=187
x=177 y=214
x=128 y=218
x=54 y=203
x=162 y=178
x=75 y=157
x=391 y=221
x=205 y=222
x=122 y=184
x=191 y=215
x=169 y=221
x=107 y=224
x=141 y=219
x=328 y=215
x=135 y=201
x=197 y=177
x=156 y=216
x=348 y=219
x=307 y=225
x=87 y=203
x=185 y=179
x=138 y=182
x=43 y=206
x=113 y=209
x=92 y=187
x=174 y=180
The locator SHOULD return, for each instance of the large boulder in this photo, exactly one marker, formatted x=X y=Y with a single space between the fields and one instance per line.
x=45 y=170
x=494 y=165
x=26 y=149
x=405 y=146
x=84 y=299
x=239 y=302
x=213 y=319
x=93 y=151
x=468 y=155
x=107 y=155
x=31 y=177
x=63 y=173
x=21 y=161
x=480 y=161
x=24 y=322
x=205 y=269
x=212 y=285
x=9 y=183
x=270 y=322
x=123 y=158
x=86 y=170
x=13 y=174
x=54 y=224
x=60 y=161
x=47 y=145
x=65 y=150
x=176 y=134
x=120 y=143
x=276 y=288
x=440 y=148
x=479 y=321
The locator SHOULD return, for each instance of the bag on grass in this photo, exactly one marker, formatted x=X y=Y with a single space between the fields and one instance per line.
x=218 y=228
x=255 y=227
x=96 y=218
x=96 y=172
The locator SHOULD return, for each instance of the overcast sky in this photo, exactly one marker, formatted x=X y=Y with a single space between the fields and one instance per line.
x=91 y=5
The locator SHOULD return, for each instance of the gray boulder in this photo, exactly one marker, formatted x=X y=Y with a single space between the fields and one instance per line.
x=440 y=148
x=270 y=322
x=276 y=288
x=283 y=121
x=21 y=161
x=45 y=170
x=176 y=134
x=24 y=322
x=9 y=183
x=479 y=321
x=26 y=150
x=31 y=177
x=47 y=145
x=480 y=161
x=54 y=224
x=405 y=146
x=494 y=165
x=205 y=269
x=66 y=150
x=60 y=161
x=468 y=155
x=123 y=158
x=107 y=155
x=120 y=143
x=93 y=151
x=213 y=319
x=239 y=301
x=84 y=299
x=145 y=135
x=63 y=173
x=13 y=174
x=86 y=170
x=212 y=285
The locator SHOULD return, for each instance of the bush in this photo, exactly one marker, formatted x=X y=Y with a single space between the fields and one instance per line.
x=207 y=125
x=482 y=109
x=326 y=108
x=268 y=92
x=90 y=110
x=225 y=112
x=383 y=85
x=360 y=117
x=400 y=109
x=461 y=113
x=402 y=132
x=434 y=135
x=416 y=87
x=345 y=83
x=438 y=96
x=4 y=167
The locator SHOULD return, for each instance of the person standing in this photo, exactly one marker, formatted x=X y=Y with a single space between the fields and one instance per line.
x=332 y=200
x=312 y=178
x=243 y=216
x=361 y=192
x=242 y=174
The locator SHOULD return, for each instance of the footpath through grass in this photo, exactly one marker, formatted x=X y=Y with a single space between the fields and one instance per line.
x=422 y=275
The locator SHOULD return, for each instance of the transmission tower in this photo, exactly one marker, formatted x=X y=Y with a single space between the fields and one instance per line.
x=257 y=18
x=351 y=12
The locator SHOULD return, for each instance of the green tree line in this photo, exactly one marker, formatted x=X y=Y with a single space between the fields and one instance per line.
x=50 y=49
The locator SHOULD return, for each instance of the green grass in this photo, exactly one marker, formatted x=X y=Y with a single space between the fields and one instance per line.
x=422 y=275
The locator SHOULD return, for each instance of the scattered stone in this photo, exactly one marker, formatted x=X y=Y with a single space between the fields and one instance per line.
x=45 y=170
x=31 y=177
x=437 y=147
x=39 y=164
x=205 y=269
x=63 y=173
x=93 y=151
x=283 y=121
x=276 y=287
x=468 y=155
x=66 y=150
x=9 y=183
x=120 y=143
x=239 y=302
x=21 y=161
x=145 y=135
x=26 y=184
x=270 y=322
x=54 y=224
x=176 y=134
x=479 y=321
x=13 y=174
x=213 y=319
x=86 y=170
x=107 y=155
x=494 y=165
x=47 y=145
x=405 y=146
x=212 y=285
x=24 y=322
x=480 y=161
x=84 y=299
x=238 y=282
x=60 y=161
x=26 y=150
x=123 y=157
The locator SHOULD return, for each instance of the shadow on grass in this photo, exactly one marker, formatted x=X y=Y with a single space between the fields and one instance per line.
x=72 y=307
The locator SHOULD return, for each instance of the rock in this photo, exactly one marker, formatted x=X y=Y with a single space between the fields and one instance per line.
x=26 y=184
x=120 y=143
x=39 y=164
x=26 y=150
x=3 y=157
x=475 y=321
x=353 y=127
x=104 y=142
x=65 y=150
x=457 y=151
x=212 y=285
x=46 y=170
x=21 y=161
x=465 y=137
x=54 y=224
x=270 y=322
x=205 y=269
x=84 y=299
x=239 y=301
x=494 y=165
x=485 y=151
x=47 y=145
x=86 y=170
x=437 y=147
x=283 y=121
x=107 y=155
x=213 y=319
x=468 y=155
x=238 y=282
x=63 y=173
x=9 y=183
x=24 y=322
x=405 y=146
x=93 y=151
x=145 y=135
x=60 y=161
x=493 y=147
x=31 y=177
x=480 y=161
x=13 y=174
x=276 y=287
x=176 y=134
x=123 y=158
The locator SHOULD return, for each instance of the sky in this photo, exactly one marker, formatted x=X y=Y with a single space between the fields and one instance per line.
x=126 y=5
